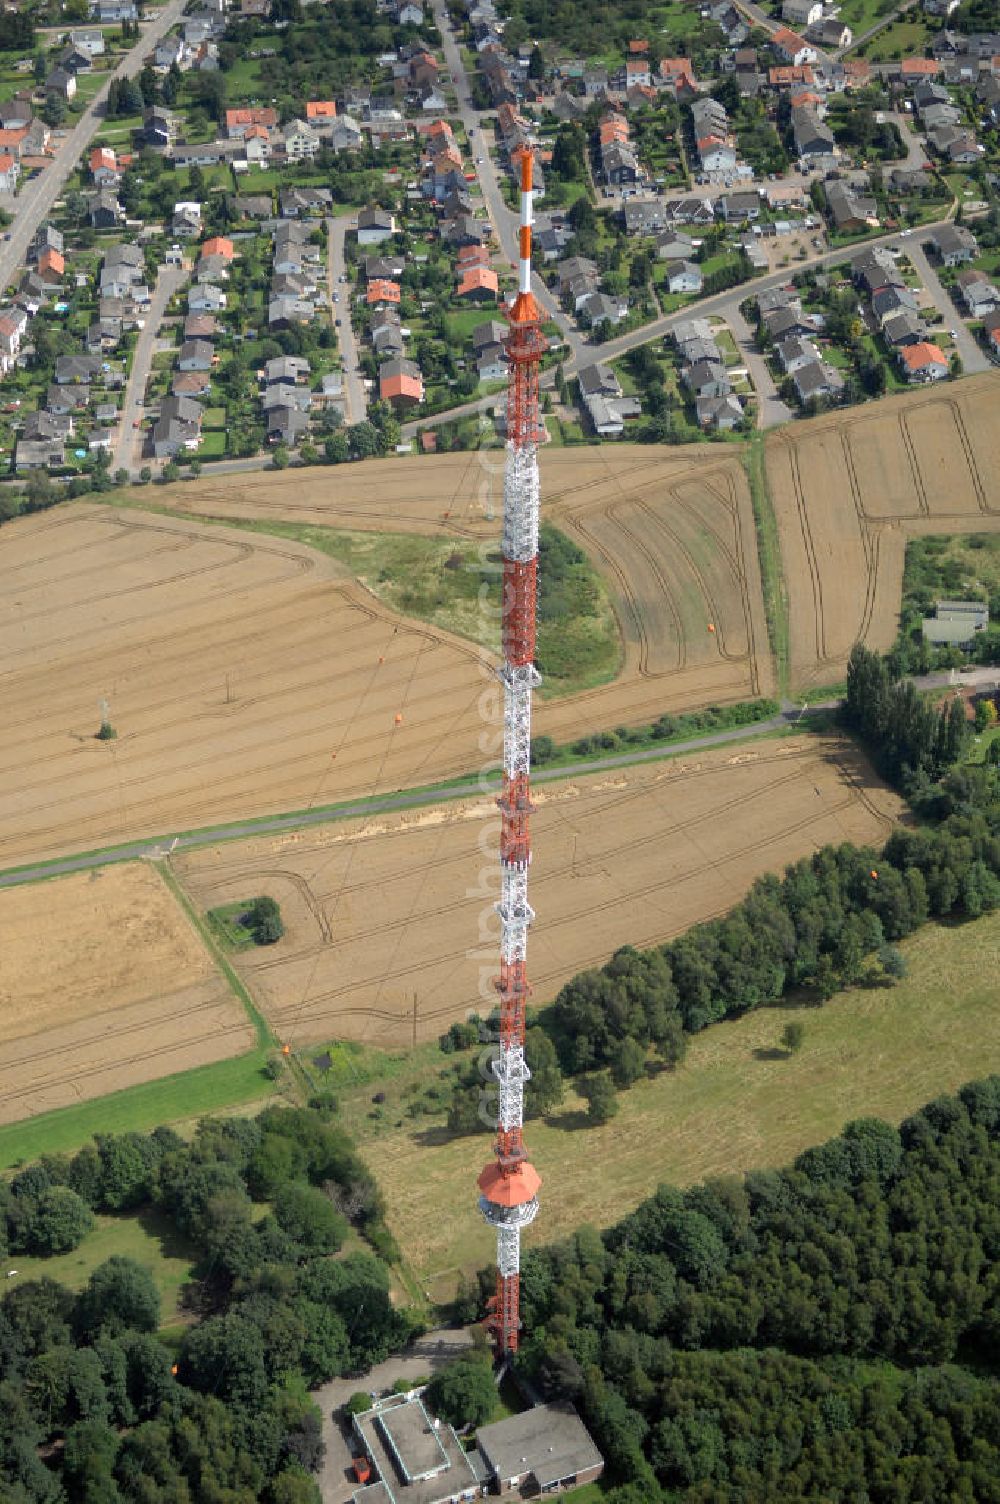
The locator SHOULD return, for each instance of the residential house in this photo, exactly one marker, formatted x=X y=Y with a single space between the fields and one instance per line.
x=64 y=400
x=735 y=208
x=923 y=362
x=157 y=128
x=706 y=378
x=10 y=169
x=814 y=141
x=792 y=47
x=795 y=353
x=300 y=141
x=186 y=221
x=104 y=167
x=830 y=34
x=106 y=213
x=979 y=294
x=253 y=205
x=51 y=267
x=607 y=406
x=683 y=276
x=45 y=425
x=279 y=394
x=955 y=144
x=903 y=328
x=200 y=326
x=169 y=52
x=381 y=293
x=206 y=298
x=849 y=208
x=888 y=301
x=599 y=308
x=88 y=39
x=671 y=246
x=288 y=370
x=195 y=355
x=375 y=225
x=478 y=284
x=47 y=237
x=954 y=244
x=75 y=60
x=220 y=246
x=239 y=122
x=801 y=12
x=817 y=382
x=113 y=12
x=284 y=311
x=286 y=425
x=644 y=216
x=319 y=110
x=177 y=428
x=391 y=267
x=103 y=336
x=13 y=322
x=73 y=369
x=401 y=383
x=723 y=413
x=294 y=202
x=38 y=454
x=61 y=83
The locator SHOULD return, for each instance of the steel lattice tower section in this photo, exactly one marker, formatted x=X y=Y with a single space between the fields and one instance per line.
x=510 y=1185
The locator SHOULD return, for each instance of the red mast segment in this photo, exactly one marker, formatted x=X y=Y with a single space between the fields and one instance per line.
x=509 y=1186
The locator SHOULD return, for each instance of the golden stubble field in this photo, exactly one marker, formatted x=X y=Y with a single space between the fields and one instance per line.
x=671 y=530
x=104 y=983
x=850 y=488
x=248 y=674
x=390 y=930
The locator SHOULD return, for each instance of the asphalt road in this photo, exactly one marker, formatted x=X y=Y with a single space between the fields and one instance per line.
x=973 y=358
x=503 y=221
x=128 y=452
x=38 y=196
x=337 y=227
x=771 y=410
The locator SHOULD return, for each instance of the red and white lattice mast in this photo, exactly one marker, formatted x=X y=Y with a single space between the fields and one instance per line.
x=510 y=1185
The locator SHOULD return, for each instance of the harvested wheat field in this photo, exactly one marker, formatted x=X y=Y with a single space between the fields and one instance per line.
x=390 y=930
x=671 y=529
x=850 y=488
x=244 y=675
x=104 y=983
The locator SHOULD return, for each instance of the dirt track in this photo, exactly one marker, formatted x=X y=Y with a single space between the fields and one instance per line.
x=383 y=913
x=103 y=984
x=850 y=488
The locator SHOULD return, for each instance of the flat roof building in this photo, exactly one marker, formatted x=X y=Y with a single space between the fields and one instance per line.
x=415 y=1458
x=547 y=1448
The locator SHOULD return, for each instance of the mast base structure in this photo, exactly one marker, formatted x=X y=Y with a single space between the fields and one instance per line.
x=509 y=1185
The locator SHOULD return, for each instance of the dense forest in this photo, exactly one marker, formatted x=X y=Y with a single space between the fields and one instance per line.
x=96 y=1409
x=828 y=1331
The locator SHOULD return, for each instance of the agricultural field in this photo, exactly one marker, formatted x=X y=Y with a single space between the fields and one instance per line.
x=671 y=532
x=849 y=488
x=738 y=1101
x=390 y=933
x=243 y=674
x=105 y=983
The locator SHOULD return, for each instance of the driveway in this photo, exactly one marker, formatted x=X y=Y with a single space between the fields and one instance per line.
x=36 y=201
x=336 y=267
x=128 y=453
x=427 y=1354
x=973 y=358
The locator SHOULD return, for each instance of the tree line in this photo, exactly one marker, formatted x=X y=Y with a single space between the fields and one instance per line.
x=95 y=1408
x=798 y=1333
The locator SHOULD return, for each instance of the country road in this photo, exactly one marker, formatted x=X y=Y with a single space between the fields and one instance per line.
x=155 y=848
x=37 y=198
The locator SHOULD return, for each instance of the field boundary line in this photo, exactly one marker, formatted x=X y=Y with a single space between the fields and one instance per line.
x=772 y=573
x=262 y=1029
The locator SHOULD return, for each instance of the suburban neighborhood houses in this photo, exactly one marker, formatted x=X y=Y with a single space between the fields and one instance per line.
x=737 y=221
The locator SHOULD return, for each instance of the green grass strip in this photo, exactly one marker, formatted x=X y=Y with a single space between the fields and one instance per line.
x=769 y=553
x=265 y=1037
x=138 y=1109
